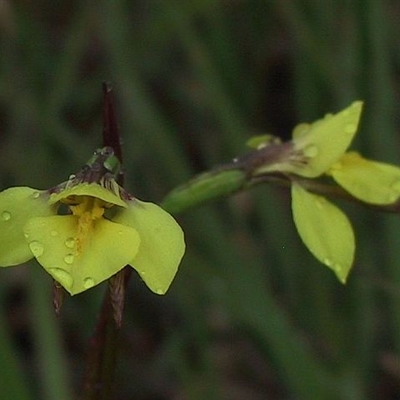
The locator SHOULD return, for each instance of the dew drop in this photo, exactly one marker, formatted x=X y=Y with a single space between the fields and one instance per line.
x=71 y=177
x=62 y=277
x=311 y=151
x=392 y=197
x=70 y=243
x=338 y=267
x=160 y=291
x=36 y=195
x=143 y=273
x=5 y=216
x=54 y=233
x=300 y=130
x=395 y=186
x=328 y=262
x=36 y=248
x=395 y=192
x=88 y=283
x=350 y=128
x=26 y=235
x=69 y=259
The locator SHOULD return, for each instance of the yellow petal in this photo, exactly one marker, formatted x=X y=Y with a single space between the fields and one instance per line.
x=106 y=250
x=323 y=142
x=162 y=243
x=369 y=181
x=17 y=206
x=325 y=230
x=90 y=189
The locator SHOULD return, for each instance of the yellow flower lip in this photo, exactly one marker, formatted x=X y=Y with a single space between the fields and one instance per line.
x=92 y=190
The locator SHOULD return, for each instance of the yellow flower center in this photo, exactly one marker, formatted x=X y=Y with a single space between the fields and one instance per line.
x=87 y=210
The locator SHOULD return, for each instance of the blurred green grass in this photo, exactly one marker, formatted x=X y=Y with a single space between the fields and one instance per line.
x=251 y=314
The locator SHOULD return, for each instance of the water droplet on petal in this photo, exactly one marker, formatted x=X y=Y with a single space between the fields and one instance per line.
x=328 y=262
x=395 y=192
x=300 y=130
x=143 y=273
x=36 y=195
x=88 y=283
x=26 y=235
x=36 y=248
x=62 y=277
x=350 y=128
x=160 y=291
x=311 y=151
x=395 y=186
x=5 y=216
x=392 y=197
x=70 y=243
x=54 y=233
x=338 y=267
x=69 y=258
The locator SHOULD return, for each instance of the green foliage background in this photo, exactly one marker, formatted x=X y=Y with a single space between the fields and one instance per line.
x=251 y=315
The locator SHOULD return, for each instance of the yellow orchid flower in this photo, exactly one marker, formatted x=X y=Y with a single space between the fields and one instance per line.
x=323 y=227
x=87 y=229
x=320 y=148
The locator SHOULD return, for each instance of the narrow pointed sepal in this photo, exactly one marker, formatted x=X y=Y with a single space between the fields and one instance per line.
x=58 y=297
x=117 y=287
